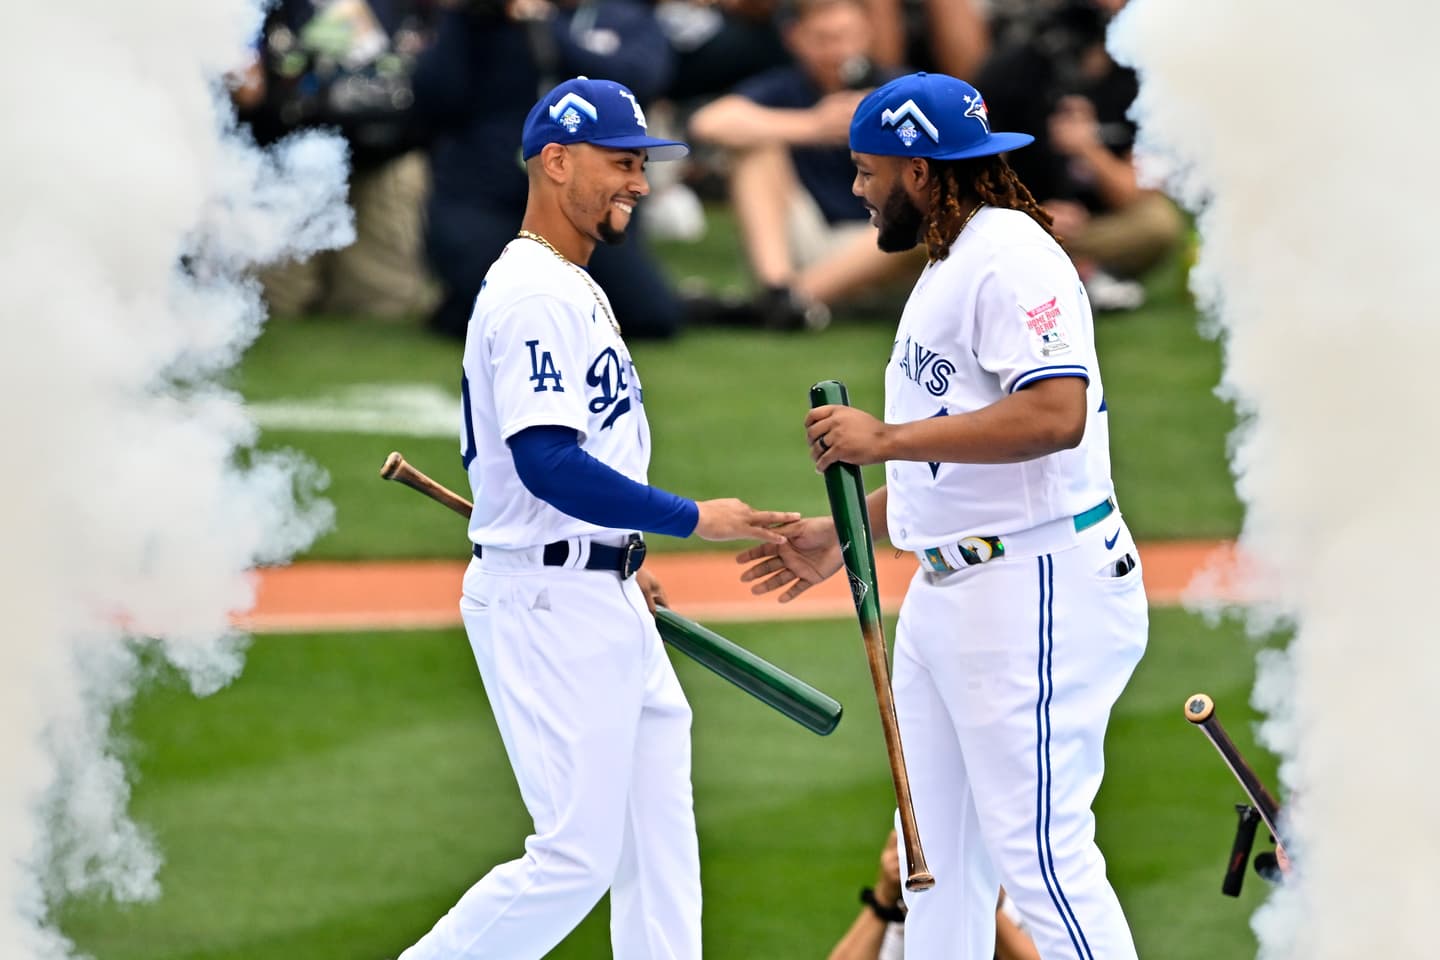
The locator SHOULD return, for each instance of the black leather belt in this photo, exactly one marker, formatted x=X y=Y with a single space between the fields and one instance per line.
x=624 y=560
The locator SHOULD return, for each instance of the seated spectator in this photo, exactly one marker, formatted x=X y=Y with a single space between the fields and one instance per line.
x=347 y=66
x=1058 y=82
x=939 y=36
x=878 y=932
x=473 y=86
x=808 y=239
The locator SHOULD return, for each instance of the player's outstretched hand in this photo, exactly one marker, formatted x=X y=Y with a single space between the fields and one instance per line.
x=810 y=554
x=841 y=434
x=732 y=519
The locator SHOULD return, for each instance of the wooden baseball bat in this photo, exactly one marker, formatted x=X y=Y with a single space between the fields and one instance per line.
x=1200 y=710
x=846 y=490
x=791 y=696
x=398 y=469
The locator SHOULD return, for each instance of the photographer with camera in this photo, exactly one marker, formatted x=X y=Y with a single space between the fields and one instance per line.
x=473 y=87
x=346 y=65
x=787 y=131
x=1053 y=76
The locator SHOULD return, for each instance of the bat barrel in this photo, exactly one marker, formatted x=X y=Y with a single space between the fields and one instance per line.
x=793 y=697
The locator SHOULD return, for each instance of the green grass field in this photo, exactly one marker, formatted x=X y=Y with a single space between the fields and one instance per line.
x=339 y=797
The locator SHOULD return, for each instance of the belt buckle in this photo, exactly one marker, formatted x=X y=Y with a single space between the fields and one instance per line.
x=632 y=556
x=977 y=550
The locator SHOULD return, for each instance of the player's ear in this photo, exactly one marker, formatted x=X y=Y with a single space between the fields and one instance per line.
x=556 y=162
x=916 y=174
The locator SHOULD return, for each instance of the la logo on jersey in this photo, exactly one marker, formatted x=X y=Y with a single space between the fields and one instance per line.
x=572 y=110
x=543 y=372
x=1044 y=322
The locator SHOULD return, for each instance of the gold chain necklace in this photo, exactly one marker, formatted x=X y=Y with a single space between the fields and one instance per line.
x=968 y=217
x=528 y=235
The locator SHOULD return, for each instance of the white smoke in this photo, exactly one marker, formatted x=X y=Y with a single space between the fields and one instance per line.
x=132 y=507
x=1300 y=134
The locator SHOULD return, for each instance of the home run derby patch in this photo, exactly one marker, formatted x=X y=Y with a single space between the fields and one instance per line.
x=1044 y=322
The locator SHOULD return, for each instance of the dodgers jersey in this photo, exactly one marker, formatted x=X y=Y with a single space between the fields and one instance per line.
x=1004 y=310
x=541 y=351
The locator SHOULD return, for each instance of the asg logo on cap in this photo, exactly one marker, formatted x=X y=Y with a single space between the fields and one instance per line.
x=568 y=112
x=908 y=120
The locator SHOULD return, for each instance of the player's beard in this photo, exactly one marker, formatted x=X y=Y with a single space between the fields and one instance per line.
x=898 y=221
x=608 y=232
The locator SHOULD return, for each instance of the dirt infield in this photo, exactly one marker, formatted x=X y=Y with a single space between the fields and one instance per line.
x=703 y=586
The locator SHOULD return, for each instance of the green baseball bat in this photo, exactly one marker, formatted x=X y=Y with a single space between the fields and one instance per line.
x=758 y=677
x=846 y=489
x=764 y=681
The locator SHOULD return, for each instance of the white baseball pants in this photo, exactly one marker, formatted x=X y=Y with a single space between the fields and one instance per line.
x=597 y=730
x=1004 y=678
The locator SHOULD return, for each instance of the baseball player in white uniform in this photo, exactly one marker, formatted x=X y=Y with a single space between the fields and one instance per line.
x=1028 y=613
x=557 y=447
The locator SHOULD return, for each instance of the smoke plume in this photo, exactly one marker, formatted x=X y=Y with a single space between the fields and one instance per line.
x=132 y=505
x=1299 y=134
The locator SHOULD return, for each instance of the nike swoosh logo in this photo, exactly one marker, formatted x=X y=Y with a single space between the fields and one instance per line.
x=1110 y=541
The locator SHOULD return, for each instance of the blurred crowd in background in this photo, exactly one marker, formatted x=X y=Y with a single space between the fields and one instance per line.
x=431 y=96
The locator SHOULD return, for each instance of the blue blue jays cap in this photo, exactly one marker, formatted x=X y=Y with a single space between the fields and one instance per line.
x=601 y=112
x=928 y=115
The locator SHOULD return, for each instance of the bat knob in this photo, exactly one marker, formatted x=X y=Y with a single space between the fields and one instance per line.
x=1199 y=708
x=921 y=880
x=392 y=465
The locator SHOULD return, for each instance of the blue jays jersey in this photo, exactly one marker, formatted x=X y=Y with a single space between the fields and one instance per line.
x=542 y=350
x=1004 y=310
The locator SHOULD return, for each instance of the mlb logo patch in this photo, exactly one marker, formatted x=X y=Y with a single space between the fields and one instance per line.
x=907 y=133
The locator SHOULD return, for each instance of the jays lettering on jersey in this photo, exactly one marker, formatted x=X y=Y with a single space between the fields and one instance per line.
x=543 y=352
x=1005 y=310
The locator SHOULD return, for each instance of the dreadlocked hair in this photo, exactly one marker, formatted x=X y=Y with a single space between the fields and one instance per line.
x=989 y=180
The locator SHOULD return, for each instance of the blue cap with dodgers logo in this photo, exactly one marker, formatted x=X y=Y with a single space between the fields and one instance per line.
x=928 y=115
x=601 y=112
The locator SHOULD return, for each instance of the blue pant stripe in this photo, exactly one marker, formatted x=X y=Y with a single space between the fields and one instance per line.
x=1042 y=755
x=1050 y=692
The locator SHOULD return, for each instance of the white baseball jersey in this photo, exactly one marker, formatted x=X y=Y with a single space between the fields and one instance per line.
x=585 y=699
x=542 y=350
x=1004 y=310
x=1005 y=672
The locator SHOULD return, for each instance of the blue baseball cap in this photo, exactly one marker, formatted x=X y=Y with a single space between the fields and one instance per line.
x=601 y=112
x=928 y=115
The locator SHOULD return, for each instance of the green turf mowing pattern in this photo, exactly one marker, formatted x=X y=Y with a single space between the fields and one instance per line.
x=343 y=793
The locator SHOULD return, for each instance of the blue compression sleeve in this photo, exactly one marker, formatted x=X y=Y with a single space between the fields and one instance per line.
x=554 y=468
